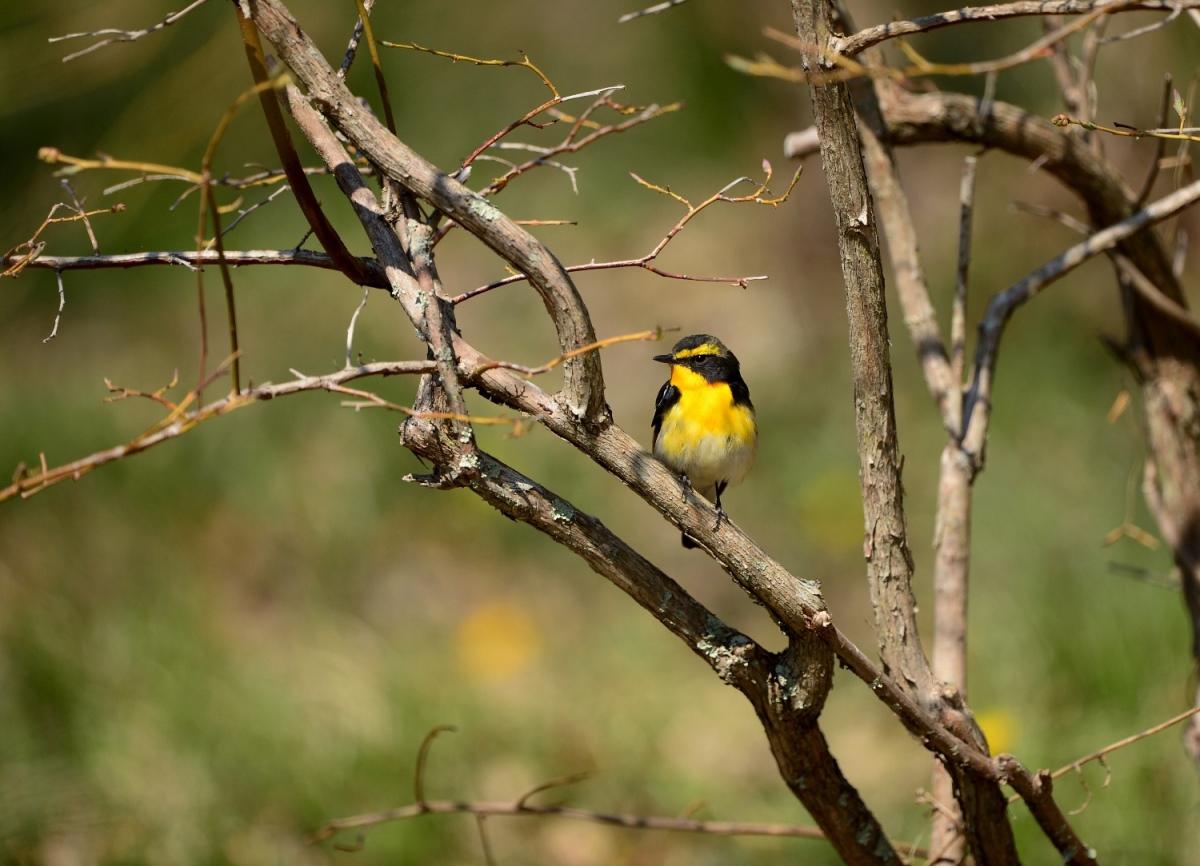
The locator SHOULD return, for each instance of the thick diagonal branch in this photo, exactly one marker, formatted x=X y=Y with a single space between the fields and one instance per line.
x=787 y=689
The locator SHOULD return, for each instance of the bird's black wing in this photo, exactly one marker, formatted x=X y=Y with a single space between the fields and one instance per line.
x=741 y=394
x=668 y=396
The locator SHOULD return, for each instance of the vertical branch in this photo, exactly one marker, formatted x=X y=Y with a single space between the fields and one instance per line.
x=951 y=541
x=975 y=808
x=889 y=563
x=958 y=316
x=209 y=202
x=364 y=17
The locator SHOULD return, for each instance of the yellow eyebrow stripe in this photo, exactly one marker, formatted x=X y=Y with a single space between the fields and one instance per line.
x=705 y=349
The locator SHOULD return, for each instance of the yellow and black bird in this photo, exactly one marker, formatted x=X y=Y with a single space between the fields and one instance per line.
x=704 y=427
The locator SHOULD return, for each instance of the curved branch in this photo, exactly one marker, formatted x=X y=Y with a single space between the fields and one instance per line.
x=326 y=235
x=858 y=42
x=584 y=387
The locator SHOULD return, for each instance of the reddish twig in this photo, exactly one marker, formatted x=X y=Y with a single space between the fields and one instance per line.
x=644 y=262
x=180 y=421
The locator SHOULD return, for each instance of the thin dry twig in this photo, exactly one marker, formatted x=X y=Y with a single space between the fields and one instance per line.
x=1161 y=143
x=1146 y=288
x=573 y=141
x=1073 y=223
x=27 y=253
x=78 y=207
x=245 y=212
x=645 y=261
x=192 y=259
x=62 y=302
x=958 y=317
x=650 y=10
x=364 y=17
x=1099 y=755
x=645 y=336
x=1184 y=134
x=526 y=119
x=122 y=35
x=870 y=36
x=845 y=67
x=524 y=61
x=1002 y=306
x=353 y=320
x=75 y=164
x=181 y=420
x=520 y=806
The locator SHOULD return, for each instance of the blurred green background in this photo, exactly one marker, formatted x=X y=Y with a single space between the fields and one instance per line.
x=209 y=649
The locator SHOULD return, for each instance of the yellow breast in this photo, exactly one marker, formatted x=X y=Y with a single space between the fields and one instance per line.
x=705 y=435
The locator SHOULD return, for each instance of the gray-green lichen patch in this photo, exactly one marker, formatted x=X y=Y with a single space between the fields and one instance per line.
x=561 y=511
x=723 y=660
x=484 y=209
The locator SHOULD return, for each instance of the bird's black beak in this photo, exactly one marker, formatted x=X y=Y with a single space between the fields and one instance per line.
x=665 y=359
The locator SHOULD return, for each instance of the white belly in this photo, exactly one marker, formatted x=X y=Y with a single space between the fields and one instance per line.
x=708 y=460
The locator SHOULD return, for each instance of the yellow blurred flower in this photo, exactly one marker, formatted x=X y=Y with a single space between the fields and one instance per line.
x=496 y=641
x=1000 y=727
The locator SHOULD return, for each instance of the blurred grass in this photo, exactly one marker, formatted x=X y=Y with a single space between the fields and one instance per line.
x=210 y=649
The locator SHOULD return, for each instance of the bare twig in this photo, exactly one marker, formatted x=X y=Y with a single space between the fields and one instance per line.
x=1101 y=754
x=327 y=236
x=524 y=61
x=1144 y=287
x=87 y=223
x=863 y=39
x=519 y=808
x=62 y=302
x=245 y=212
x=958 y=317
x=842 y=66
x=650 y=10
x=1065 y=219
x=574 y=141
x=1160 y=143
x=1004 y=304
x=583 y=378
x=654 y=334
x=352 y=47
x=526 y=119
x=123 y=35
x=26 y=253
x=1149 y=28
x=364 y=16
x=191 y=259
x=353 y=320
x=646 y=260
x=77 y=164
x=1125 y=130
x=181 y=421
